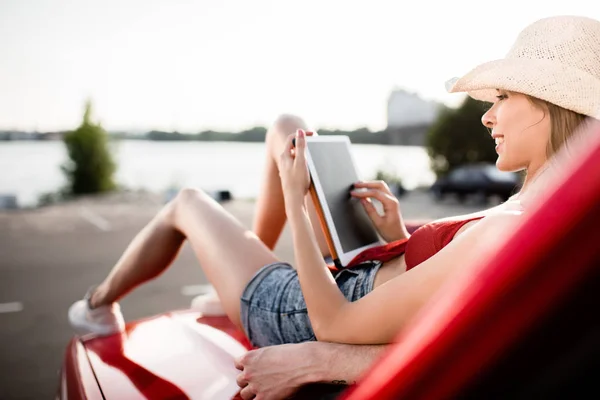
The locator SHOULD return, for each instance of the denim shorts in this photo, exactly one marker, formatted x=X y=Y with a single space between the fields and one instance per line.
x=273 y=310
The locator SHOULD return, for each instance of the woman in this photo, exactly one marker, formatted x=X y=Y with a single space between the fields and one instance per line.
x=548 y=84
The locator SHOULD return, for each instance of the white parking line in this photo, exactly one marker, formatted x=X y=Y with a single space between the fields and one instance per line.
x=195 y=290
x=15 y=306
x=94 y=219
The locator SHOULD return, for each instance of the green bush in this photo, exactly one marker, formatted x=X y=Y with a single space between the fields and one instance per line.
x=458 y=137
x=90 y=168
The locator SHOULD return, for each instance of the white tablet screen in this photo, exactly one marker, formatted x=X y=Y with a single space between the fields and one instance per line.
x=336 y=173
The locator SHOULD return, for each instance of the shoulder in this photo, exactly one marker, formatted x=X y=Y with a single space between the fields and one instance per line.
x=493 y=227
x=474 y=216
x=451 y=227
x=505 y=213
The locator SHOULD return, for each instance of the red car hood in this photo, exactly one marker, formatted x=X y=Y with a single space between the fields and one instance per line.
x=175 y=355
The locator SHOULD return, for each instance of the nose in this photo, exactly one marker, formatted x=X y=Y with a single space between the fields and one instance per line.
x=489 y=118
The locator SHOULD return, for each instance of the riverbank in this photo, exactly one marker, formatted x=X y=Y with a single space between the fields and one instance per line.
x=32 y=169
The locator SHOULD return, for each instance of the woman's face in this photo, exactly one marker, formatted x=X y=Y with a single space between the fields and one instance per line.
x=521 y=131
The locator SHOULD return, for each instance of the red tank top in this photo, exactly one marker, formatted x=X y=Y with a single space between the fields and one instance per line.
x=421 y=245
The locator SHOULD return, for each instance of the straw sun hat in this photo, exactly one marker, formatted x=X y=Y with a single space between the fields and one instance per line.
x=555 y=59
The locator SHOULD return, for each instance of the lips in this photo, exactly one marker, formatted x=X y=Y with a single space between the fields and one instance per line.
x=499 y=139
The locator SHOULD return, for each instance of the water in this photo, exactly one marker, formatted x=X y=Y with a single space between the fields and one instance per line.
x=29 y=169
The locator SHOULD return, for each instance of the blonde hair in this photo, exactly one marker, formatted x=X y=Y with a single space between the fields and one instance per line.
x=563 y=124
x=577 y=143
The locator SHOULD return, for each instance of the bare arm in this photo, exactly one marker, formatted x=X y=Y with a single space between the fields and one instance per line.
x=278 y=371
x=388 y=308
x=321 y=293
x=392 y=305
x=318 y=285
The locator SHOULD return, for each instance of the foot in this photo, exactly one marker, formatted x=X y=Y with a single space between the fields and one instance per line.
x=208 y=304
x=102 y=320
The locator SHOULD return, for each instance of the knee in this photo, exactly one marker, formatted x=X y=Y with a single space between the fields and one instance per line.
x=189 y=195
x=289 y=122
x=184 y=198
x=286 y=124
x=283 y=126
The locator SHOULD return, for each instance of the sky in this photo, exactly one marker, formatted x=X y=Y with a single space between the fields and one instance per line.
x=191 y=65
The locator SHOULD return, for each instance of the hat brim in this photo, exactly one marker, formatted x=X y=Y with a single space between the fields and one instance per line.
x=564 y=86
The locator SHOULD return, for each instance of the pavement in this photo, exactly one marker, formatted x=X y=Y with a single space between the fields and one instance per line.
x=50 y=256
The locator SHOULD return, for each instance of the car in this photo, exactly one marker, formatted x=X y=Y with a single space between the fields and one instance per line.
x=481 y=180
x=519 y=325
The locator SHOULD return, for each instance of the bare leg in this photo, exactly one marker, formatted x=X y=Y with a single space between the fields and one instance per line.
x=269 y=217
x=228 y=253
x=149 y=254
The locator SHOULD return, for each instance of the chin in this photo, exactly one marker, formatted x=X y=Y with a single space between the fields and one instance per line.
x=505 y=165
x=500 y=164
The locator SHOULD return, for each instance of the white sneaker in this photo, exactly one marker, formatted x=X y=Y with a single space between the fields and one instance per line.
x=208 y=304
x=104 y=320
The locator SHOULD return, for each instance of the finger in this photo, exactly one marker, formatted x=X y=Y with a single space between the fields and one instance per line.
x=286 y=154
x=381 y=185
x=289 y=143
x=382 y=196
x=300 y=145
x=247 y=393
x=241 y=380
x=238 y=362
x=389 y=202
x=371 y=211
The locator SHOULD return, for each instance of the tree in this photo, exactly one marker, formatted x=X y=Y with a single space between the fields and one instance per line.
x=458 y=137
x=90 y=168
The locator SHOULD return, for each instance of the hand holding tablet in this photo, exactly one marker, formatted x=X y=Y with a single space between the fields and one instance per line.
x=382 y=207
x=347 y=226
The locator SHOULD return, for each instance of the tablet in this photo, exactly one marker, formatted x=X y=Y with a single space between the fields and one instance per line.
x=347 y=226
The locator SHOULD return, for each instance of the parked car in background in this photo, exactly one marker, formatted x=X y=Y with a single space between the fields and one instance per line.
x=481 y=180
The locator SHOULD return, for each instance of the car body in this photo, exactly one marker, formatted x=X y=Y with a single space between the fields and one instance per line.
x=483 y=180
x=180 y=354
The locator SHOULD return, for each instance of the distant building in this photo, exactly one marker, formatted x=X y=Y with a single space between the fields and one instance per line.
x=18 y=135
x=52 y=136
x=21 y=135
x=409 y=117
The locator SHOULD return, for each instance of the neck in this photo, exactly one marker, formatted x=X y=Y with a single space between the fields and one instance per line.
x=532 y=173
